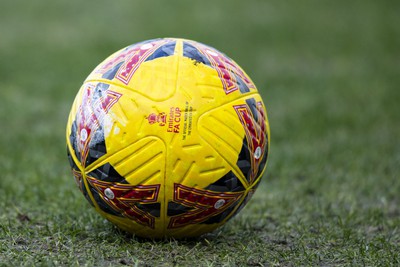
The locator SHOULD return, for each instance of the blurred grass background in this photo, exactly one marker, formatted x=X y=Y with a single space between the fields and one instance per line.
x=329 y=73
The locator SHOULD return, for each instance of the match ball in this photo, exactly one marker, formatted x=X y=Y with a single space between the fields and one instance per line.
x=168 y=138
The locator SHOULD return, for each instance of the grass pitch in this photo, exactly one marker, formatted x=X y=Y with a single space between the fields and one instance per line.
x=329 y=75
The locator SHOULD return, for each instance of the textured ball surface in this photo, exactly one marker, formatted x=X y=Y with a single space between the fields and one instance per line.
x=168 y=138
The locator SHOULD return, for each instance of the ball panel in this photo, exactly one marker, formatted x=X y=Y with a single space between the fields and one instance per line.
x=142 y=162
x=135 y=184
x=89 y=121
x=149 y=68
x=139 y=203
x=239 y=132
x=254 y=151
x=233 y=78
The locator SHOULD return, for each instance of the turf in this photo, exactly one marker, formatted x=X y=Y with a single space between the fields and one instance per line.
x=329 y=75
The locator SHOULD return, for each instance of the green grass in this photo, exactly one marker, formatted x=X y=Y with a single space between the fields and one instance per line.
x=329 y=75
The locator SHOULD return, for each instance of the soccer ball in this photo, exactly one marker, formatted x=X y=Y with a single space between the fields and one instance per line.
x=168 y=138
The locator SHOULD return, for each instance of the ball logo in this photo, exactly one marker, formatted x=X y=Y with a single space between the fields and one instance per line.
x=160 y=118
x=172 y=120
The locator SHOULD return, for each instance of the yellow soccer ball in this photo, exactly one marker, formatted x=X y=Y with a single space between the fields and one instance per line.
x=168 y=138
